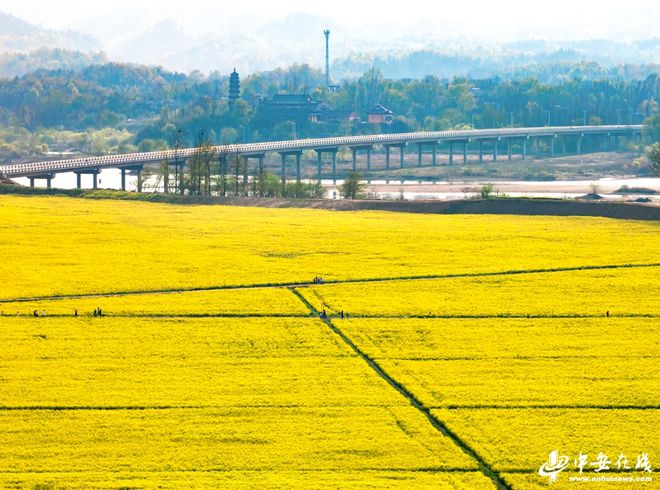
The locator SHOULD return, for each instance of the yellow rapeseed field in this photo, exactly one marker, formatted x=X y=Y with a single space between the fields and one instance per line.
x=517 y=441
x=196 y=396
x=503 y=338
x=583 y=292
x=184 y=384
x=67 y=246
x=245 y=302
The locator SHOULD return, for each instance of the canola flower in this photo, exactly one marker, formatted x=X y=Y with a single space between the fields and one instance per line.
x=152 y=396
x=503 y=338
x=144 y=362
x=245 y=302
x=349 y=479
x=519 y=440
x=621 y=291
x=515 y=361
x=226 y=439
x=273 y=395
x=565 y=381
x=56 y=246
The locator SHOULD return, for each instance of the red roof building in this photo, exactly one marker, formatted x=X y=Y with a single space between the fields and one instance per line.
x=379 y=114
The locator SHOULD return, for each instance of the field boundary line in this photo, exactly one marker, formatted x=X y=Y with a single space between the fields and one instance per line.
x=305 y=284
x=515 y=358
x=254 y=470
x=162 y=316
x=493 y=475
x=353 y=316
x=260 y=406
x=503 y=316
x=547 y=407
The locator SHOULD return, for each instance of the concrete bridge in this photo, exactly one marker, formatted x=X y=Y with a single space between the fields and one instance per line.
x=456 y=140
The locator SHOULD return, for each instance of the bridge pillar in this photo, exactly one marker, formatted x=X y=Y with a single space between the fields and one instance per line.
x=563 y=145
x=223 y=174
x=606 y=144
x=319 y=161
x=401 y=147
x=261 y=175
x=524 y=148
x=94 y=172
x=481 y=151
x=434 y=154
x=495 y=150
x=245 y=177
x=132 y=168
x=465 y=154
x=258 y=173
x=552 y=145
x=579 y=144
x=451 y=152
x=420 y=152
x=47 y=177
x=334 y=167
x=298 y=156
x=368 y=159
x=508 y=148
x=354 y=150
x=178 y=177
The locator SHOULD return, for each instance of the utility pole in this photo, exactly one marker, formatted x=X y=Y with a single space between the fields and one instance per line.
x=327 y=58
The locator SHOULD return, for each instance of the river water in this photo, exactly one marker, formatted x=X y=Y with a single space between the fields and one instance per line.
x=415 y=190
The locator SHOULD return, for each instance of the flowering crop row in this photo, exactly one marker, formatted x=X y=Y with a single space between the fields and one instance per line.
x=257 y=301
x=583 y=292
x=519 y=440
x=54 y=245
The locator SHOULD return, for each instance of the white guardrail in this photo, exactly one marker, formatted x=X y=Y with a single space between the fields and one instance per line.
x=111 y=161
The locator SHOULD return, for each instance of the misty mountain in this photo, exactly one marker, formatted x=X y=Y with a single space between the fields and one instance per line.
x=251 y=45
x=18 y=64
x=153 y=45
x=604 y=51
x=17 y=35
x=297 y=38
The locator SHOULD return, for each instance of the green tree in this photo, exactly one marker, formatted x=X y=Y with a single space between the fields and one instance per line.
x=353 y=187
x=653 y=153
x=652 y=129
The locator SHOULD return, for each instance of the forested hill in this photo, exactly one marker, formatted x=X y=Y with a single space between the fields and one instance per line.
x=17 y=35
x=149 y=104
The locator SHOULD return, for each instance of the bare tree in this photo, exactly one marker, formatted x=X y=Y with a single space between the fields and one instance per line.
x=200 y=166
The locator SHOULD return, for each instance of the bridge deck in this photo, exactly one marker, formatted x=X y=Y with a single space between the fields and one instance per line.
x=114 y=161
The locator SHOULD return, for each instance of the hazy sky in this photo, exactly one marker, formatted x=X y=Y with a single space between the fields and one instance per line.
x=500 y=20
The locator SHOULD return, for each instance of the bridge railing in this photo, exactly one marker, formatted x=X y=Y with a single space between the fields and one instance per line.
x=34 y=168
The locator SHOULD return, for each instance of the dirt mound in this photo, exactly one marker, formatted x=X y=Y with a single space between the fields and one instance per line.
x=591 y=197
x=494 y=206
x=4 y=180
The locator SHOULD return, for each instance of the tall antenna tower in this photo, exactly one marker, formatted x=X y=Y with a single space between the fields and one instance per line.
x=327 y=58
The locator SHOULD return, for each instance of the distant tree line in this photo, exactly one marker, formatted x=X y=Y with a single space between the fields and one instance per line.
x=152 y=105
